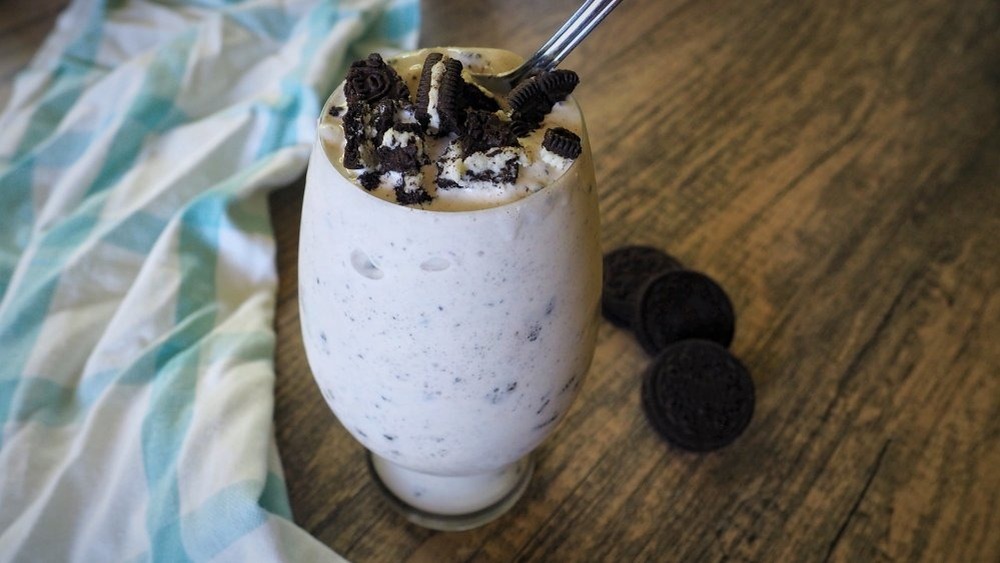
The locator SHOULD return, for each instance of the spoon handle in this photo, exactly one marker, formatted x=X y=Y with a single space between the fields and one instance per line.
x=570 y=34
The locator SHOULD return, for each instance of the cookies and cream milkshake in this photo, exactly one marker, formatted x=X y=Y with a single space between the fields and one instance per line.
x=449 y=273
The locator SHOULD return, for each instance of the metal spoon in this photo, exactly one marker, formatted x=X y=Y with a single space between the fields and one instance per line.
x=549 y=55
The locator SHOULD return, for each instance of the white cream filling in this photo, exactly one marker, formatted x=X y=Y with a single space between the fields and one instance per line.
x=560 y=163
x=405 y=115
x=461 y=170
x=479 y=162
x=437 y=74
x=393 y=138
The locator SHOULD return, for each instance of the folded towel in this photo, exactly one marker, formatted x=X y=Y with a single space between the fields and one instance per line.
x=137 y=273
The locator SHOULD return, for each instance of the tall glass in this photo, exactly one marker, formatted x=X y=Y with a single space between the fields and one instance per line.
x=449 y=343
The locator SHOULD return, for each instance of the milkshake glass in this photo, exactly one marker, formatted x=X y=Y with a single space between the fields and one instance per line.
x=449 y=343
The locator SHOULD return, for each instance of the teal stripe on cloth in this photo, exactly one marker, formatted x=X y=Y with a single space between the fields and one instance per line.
x=163 y=433
x=173 y=392
x=282 y=126
x=20 y=319
x=74 y=73
x=274 y=499
x=15 y=229
x=50 y=403
x=152 y=110
x=138 y=232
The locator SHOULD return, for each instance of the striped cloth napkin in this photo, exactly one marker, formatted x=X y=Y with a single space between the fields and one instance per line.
x=137 y=274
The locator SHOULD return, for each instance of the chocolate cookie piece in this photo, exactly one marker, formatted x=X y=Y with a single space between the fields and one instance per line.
x=531 y=100
x=371 y=80
x=474 y=98
x=382 y=118
x=529 y=105
x=439 y=95
x=503 y=167
x=369 y=180
x=357 y=148
x=558 y=84
x=626 y=269
x=401 y=148
x=411 y=197
x=698 y=396
x=679 y=305
x=522 y=128
x=445 y=183
x=562 y=142
x=484 y=130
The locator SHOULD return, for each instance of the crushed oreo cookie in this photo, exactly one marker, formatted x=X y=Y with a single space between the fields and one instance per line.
x=382 y=118
x=562 y=142
x=410 y=194
x=485 y=130
x=497 y=165
x=370 y=80
x=444 y=183
x=390 y=138
x=401 y=149
x=357 y=150
x=473 y=98
x=369 y=180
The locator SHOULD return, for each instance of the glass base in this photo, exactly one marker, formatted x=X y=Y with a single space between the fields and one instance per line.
x=450 y=504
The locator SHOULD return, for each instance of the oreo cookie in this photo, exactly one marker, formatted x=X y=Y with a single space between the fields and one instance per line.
x=370 y=80
x=698 y=396
x=562 y=142
x=531 y=100
x=529 y=104
x=557 y=84
x=439 y=114
x=424 y=86
x=411 y=197
x=626 y=269
x=679 y=305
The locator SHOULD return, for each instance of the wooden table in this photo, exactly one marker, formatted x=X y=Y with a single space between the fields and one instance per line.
x=836 y=167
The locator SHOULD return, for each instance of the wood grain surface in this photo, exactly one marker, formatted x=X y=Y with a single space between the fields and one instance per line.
x=836 y=167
